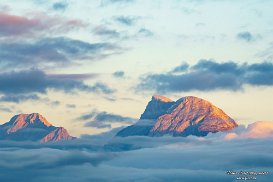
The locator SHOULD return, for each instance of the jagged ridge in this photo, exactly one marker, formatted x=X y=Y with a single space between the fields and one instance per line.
x=157 y=107
x=32 y=127
x=57 y=135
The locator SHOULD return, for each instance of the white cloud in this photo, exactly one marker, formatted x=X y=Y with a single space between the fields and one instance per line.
x=258 y=130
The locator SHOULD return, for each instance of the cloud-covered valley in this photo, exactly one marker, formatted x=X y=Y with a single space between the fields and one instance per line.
x=105 y=157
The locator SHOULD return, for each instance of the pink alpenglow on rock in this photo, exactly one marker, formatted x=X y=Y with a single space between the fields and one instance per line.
x=32 y=127
x=21 y=121
x=193 y=116
x=186 y=116
x=59 y=134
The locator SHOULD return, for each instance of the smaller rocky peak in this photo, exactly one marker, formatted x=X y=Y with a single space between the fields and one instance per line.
x=36 y=117
x=20 y=121
x=57 y=135
x=157 y=106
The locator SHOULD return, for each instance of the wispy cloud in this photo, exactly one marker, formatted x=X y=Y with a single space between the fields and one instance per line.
x=119 y=74
x=106 y=32
x=145 y=32
x=71 y=106
x=104 y=119
x=5 y=109
x=126 y=20
x=81 y=76
x=15 y=26
x=52 y=52
x=19 y=97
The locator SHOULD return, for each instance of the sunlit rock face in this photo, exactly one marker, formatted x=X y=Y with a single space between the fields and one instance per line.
x=59 y=134
x=31 y=127
x=21 y=121
x=187 y=116
x=192 y=116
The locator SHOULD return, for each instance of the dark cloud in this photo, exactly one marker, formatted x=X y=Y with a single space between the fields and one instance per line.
x=59 y=51
x=22 y=85
x=245 y=36
x=74 y=76
x=118 y=74
x=19 y=97
x=110 y=33
x=60 y=6
x=126 y=20
x=103 y=119
x=97 y=124
x=209 y=75
x=14 y=25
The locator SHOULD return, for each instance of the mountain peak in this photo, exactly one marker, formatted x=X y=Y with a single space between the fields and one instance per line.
x=34 y=117
x=189 y=115
x=20 y=121
x=32 y=127
x=161 y=98
x=156 y=107
x=193 y=116
x=191 y=99
x=59 y=134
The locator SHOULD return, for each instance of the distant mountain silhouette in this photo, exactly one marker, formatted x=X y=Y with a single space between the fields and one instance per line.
x=186 y=116
x=32 y=127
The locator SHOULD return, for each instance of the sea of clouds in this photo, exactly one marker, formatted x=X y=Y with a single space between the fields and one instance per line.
x=105 y=157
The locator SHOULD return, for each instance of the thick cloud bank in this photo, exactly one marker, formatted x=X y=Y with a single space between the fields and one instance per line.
x=208 y=75
x=108 y=158
x=260 y=129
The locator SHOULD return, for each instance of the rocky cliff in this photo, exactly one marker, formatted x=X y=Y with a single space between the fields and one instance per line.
x=186 y=116
x=32 y=127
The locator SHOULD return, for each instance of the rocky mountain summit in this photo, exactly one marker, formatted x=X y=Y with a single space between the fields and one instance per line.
x=186 y=116
x=32 y=127
x=156 y=107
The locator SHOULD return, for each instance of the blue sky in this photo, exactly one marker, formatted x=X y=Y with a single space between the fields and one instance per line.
x=68 y=59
